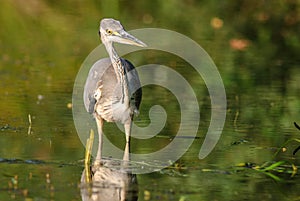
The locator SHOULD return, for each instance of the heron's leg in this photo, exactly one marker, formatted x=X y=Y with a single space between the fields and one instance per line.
x=126 y=155
x=99 y=121
x=127 y=127
x=126 y=152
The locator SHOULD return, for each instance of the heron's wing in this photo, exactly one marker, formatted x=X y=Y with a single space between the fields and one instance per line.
x=135 y=90
x=93 y=82
x=101 y=87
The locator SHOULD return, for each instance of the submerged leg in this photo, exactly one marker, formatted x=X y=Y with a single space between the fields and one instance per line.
x=99 y=121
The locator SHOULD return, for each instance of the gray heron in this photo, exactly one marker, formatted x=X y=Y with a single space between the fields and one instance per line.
x=112 y=90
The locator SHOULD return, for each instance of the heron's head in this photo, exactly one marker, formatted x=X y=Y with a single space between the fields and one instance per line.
x=112 y=31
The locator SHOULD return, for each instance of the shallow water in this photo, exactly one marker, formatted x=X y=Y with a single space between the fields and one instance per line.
x=44 y=45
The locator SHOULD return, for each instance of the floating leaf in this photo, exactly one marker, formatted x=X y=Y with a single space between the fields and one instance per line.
x=273 y=166
x=276 y=178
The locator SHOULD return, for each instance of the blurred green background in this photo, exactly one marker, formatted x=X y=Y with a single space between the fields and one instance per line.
x=255 y=45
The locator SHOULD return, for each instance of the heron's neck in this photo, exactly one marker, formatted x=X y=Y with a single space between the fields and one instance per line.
x=116 y=62
x=119 y=69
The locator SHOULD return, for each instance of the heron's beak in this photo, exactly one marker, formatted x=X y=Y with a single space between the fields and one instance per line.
x=126 y=38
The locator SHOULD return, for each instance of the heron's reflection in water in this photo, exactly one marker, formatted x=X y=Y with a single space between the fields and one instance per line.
x=111 y=180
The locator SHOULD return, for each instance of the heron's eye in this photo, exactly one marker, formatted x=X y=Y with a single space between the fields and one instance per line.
x=109 y=31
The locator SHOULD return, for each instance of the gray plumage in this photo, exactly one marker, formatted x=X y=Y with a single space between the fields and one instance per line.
x=112 y=90
x=102 y=89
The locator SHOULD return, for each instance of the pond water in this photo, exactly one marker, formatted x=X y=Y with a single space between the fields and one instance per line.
x=255 y=47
